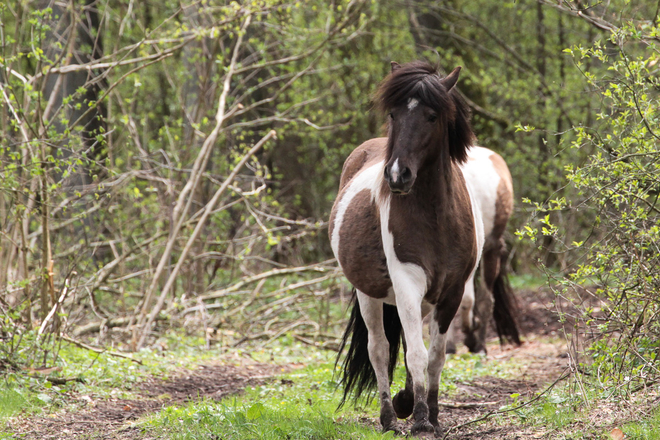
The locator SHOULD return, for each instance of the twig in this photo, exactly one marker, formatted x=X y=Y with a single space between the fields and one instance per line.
x=327 y=345
x=53 y=310
x=503 y=411
x=198 y=229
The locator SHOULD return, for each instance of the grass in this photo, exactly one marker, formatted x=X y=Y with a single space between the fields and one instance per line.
x=529 y=280
x=648 y=429
x=13 y=401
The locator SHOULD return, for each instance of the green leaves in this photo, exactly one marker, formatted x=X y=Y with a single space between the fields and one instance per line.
x=618 y=187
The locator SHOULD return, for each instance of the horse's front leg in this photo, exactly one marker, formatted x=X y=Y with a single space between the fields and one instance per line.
x=442 y=318
x=409 y=306
x=405 y=399
x=378 y=346
x=437 y=349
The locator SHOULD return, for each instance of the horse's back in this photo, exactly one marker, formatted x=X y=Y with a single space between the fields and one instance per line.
x=491 y=181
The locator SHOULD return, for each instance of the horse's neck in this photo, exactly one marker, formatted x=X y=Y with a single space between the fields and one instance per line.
x=436 y=183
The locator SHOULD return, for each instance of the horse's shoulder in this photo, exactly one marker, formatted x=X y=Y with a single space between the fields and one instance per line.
x=366 y=154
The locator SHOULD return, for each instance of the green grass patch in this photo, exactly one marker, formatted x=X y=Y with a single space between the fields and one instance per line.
x=300 y=405
x=13 y=401
x=529 y=280
x=648 y=429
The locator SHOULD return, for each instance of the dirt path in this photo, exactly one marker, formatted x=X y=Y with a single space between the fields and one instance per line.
x=107 y=419
x=541 y=363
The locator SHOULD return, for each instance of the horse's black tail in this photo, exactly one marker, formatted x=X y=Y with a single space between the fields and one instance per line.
x=505 y=309
x=358 y=375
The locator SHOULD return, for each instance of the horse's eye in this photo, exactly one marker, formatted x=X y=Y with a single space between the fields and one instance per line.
x=391 y=116
x=432 y=117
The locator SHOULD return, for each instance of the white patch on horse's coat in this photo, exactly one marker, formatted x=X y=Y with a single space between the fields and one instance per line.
x=407 y=278
x=412 y=103
x=484 y=180
x=365 y=179
x=410 y=284
x=394 y=173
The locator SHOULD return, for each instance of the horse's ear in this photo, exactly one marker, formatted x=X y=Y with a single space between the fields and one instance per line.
x=395 y=65
x=450 y=81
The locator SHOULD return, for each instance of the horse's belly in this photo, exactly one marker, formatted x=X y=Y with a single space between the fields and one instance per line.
x=360 y=250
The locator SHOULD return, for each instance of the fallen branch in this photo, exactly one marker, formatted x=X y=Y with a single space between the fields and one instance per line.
x=100 y=350
x=183 y=202
x=64 y=380
x=108 y=323
x=271 y=273
x=466 y=405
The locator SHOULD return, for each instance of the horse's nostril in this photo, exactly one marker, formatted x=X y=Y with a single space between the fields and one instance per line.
x=387 y=175
x=406 y=175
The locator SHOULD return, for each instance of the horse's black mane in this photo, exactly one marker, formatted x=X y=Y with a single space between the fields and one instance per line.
x=420 y=80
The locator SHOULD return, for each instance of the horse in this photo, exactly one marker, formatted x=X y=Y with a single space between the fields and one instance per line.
x=489 y=175
x=407 y=233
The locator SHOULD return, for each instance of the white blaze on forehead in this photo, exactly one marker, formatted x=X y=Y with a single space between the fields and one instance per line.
x=412 y=103
x=369 y=178
x=394 y=173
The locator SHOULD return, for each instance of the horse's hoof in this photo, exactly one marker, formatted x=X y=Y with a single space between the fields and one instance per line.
x=403 y=404
x=477 y=349
x=394 y=427
x=450 y=348
x=421 y=428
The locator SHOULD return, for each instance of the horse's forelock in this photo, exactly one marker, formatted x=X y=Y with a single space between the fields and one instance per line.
x=418 y=80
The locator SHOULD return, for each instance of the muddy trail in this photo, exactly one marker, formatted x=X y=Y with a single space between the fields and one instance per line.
x=543 y=360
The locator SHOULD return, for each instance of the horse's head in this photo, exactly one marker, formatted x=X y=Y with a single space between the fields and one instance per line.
x=426 y=122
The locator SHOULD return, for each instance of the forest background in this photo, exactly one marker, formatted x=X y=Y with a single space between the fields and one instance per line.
x=171 y=164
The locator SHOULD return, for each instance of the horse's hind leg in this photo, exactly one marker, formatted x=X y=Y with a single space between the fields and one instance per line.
x=471 y=323
x=483 y=304
x=405 y=399
x=378 y=346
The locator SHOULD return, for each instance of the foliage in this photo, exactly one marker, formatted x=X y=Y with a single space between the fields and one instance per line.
x=123 y=130
x=616 y=259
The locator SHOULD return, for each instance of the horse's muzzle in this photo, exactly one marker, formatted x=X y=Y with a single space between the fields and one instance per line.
x=399 y=179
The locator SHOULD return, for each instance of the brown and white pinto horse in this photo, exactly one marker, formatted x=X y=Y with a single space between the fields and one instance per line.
x=490 y=179
x=408 y=235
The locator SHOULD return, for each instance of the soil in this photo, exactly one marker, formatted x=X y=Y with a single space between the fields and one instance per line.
x=107 y=419
x=543 y=363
